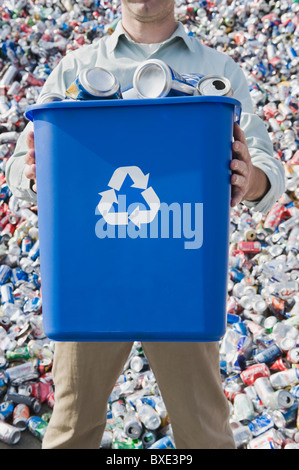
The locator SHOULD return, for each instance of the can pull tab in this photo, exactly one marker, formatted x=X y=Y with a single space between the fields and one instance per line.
x=238 y=110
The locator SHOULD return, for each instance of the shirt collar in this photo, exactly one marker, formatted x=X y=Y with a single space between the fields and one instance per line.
x=180 y=32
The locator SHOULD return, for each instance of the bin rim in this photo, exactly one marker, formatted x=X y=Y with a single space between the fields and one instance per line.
x=66 y=104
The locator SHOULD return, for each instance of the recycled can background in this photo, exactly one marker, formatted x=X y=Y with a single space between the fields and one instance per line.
x=274 y=27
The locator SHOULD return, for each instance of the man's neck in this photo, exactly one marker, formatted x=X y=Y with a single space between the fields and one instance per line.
x=149 y=33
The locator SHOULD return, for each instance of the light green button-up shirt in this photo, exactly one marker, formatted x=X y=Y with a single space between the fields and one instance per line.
x=185 y=54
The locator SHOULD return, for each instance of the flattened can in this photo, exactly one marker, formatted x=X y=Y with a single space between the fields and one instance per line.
x=165 y=442
x=287 y=417
x=21 y=414
x=155 y=79
x=9 y=434
x=215 y=85
x=94 y=84
x=253 y=372
x=51 y=399
x=261 y=424
x=37 y=426
x=268 y=440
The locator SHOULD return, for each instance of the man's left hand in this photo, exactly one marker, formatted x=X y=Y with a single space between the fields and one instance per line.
x=248 y=182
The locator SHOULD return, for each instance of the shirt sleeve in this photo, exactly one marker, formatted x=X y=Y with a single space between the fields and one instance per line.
x=258 y=141
x=64 y=73
x=15 y=167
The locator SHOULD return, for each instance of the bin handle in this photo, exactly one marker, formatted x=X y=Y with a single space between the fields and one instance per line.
x=238 y=110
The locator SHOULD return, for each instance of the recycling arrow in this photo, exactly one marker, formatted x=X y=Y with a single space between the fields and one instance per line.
x=146 y=217
x=105 y=205
x=109 y=198
x=119 y=176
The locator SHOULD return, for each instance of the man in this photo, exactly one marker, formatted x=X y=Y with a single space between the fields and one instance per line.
x=188 y=374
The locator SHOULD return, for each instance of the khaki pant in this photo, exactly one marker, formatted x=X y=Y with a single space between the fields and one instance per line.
x=188 y=377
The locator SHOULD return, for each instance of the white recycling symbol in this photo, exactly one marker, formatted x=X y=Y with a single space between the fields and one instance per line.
x=109 y=197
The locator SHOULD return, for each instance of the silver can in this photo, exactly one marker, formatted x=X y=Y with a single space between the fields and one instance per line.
x=264 y=390
x=107 y=439
x=9 y=434
x=9 y=75
x=138 y=363
x=282 y=399
x=155 y=79
x=215 y=85
x=49 y=97
x=132 y=425
x=94 y=84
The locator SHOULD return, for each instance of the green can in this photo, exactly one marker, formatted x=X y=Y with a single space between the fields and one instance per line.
x=127 y=444
x=37 y=426
x=21 y=352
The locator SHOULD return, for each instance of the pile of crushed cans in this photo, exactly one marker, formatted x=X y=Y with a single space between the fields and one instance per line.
x=259 y=353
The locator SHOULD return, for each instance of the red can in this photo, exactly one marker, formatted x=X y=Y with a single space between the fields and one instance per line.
x=231 y=389
x=277 y=306
x=274 y=217
x=270 y=110
x=45 y=365
x=8 y=230
x=30 y=79
x=21 y=414
x=41 y=390
x=51 y=399
x=280 y=364
x=250 y=247
x=253 y=372
x=4 y=221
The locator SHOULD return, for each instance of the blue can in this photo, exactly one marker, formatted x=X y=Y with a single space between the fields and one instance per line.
x=94 y=84
x=6 y=410
x=165 y=442
x=290 y=414
x=6 y=294
x=34 y=278
x=291 y=52
x=18 y=276
x=147 y=401
x=240 y=327
x=3 y=383
x=4 y=191
x=26 y=245
x=236 y=275
x=261 y=424
x=5 y=273
x=34 y=252
x=269 y=354
x=32 y=305
x=231 y=318
x=295 y=391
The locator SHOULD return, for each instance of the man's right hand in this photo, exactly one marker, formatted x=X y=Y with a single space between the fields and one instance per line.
x=30 y=171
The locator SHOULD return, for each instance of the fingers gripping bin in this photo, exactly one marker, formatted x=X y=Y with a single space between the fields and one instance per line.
x=133 y=206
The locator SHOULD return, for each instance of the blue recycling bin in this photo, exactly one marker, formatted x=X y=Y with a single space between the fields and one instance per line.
x=133 y=207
